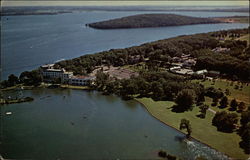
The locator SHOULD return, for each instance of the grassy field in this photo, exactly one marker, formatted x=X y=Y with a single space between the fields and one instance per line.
x=239 y=94
x=245 y=38
x=202 y=129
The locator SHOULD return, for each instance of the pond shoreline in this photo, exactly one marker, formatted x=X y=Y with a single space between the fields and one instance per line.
x=85 y=88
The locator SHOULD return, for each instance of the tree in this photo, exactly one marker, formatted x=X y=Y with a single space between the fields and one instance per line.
x=101 y=80
x=128 y=88
x=143 y=87
x=4 y=84
x=244 y=131
x=224 y=102
x=233 y=104
x=203 y=110
x=31 y=78
x=13 y=80
x=245 y=136
x=245 y=118
x=241 y=107
x=111 y=87
x=213 y=92
x=215 y=101
x=224 y=121
x=200 y=99
x=157 y=89
x=185 y=124
x=185 y=99
x=227 y=92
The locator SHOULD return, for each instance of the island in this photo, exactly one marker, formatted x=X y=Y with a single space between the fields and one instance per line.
x=151 y=20
x=197 y=84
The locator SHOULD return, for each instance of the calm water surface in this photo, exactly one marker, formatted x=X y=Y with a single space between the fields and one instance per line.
x=74 y=124
x=70 y=124
x=30 y=41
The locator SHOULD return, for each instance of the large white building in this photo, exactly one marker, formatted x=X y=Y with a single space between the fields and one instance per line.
x=50 y=73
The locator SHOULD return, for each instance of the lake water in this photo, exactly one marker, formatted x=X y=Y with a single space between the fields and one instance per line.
x=75 y=124
x=71 y=124
x=30 y=41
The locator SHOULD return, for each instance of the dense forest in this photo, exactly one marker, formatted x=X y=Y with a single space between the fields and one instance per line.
x=151 y=20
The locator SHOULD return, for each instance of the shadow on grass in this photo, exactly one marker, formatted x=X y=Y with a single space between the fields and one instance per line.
x=222 y=107
x=179 y=109
x=245 y=146
x=231 y=109
x=200 y=116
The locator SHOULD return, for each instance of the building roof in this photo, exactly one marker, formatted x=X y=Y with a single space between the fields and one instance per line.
x=83 y=77
x=47 y=65
x=54 y=70
x=184 y=71
x=214 y=72
x=201 y=71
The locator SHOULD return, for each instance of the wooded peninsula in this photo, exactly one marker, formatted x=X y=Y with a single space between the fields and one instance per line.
x=151 y=20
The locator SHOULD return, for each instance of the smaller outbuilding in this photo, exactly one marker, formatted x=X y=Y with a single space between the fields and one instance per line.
x=80 y=80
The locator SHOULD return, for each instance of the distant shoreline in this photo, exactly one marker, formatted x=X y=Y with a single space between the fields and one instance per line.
x=34 y=13
x=53 y=10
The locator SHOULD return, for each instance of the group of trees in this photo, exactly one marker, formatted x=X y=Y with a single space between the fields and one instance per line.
x=226 y=64
x=12 y=81
x=244 y=131
x=219 y=97
x=235 y=32
x=185 y=100
x=228 y=122
x=157 y=85
x=27 y=78
x=224 y=121
x=203 y=110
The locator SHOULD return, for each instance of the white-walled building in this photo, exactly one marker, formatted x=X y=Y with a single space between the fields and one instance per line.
x=57 y=73
x=80 y=80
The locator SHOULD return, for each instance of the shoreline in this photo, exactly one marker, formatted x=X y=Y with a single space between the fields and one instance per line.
x=180 y=130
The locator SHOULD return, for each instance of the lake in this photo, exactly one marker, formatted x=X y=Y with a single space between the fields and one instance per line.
x=75 y=124
x=30 y=41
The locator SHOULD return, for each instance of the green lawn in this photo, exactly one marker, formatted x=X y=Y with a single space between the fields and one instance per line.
x=74 y=87
x=203 y=130
x=239 y=94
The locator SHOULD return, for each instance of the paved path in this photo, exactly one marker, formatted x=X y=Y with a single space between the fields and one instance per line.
x=211 y=110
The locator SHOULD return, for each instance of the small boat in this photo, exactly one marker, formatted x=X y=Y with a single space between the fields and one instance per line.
x=8 y=113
